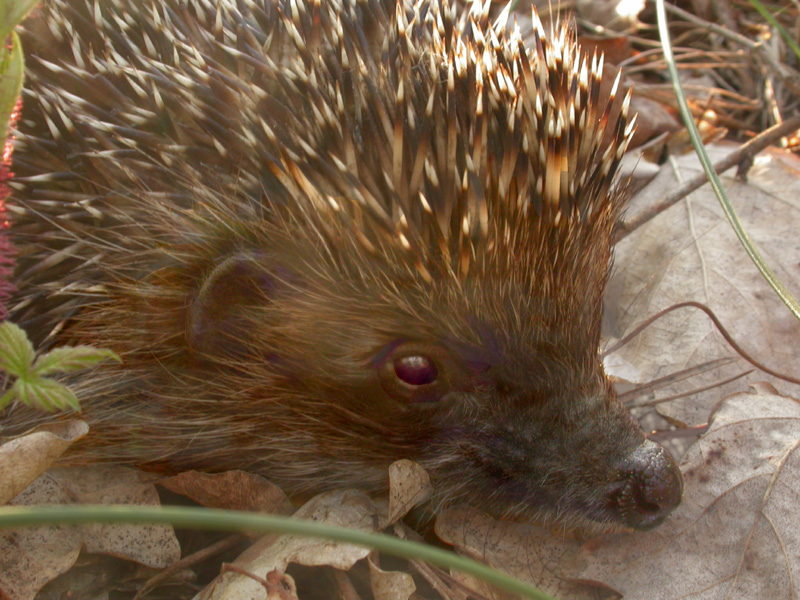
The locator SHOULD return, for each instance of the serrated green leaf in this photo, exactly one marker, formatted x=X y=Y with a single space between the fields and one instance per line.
x=16 y=350
x=45 y=394
x=68 y=359
x=12 y=12
x=7 y=398
x=12 y=72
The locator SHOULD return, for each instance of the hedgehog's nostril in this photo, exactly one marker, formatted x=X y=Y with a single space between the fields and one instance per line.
x=650 y=487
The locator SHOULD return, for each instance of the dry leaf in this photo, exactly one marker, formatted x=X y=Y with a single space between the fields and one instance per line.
x=471 y=587
x=344 y=508
x=35 y=556
x=151 y=545
x=409 y=486
x=525 y=552
x=23 y=459
x=31 y=557
x=736 y=533
x=690 y=253
x=232 y=490
x=612 y=15
x=389 y=585
x=654 y=119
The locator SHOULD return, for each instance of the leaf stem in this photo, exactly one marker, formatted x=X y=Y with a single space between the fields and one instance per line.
x=215 y=519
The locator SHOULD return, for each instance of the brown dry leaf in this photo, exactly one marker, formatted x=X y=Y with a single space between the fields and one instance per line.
x=232 y=490
x=281 y=586
x=151 y=545
x=389 y=585
x=471 y=587
x=343 y=508
x=525 y=552
x=31 y=557
x=23 y=459
x=654 y=120
x=690 y=253
x=35 y=556
x=736 y=533
x=409 y=486
x=613 y=15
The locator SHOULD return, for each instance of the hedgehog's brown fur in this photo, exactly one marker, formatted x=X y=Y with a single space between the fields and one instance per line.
x=258 y=206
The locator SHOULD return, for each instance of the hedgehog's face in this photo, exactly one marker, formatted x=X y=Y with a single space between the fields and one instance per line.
x=527 y=430
x=519 y=420
x=526 y=444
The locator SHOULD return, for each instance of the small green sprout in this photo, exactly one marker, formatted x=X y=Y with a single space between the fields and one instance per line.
x=33 y=386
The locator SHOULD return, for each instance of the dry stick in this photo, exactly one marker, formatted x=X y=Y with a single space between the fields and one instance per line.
x=718 y=29
x=274 y=584
x=673 y=378
x=696 y=391
x=187 y=561
x=787 y=75
x=437 y=578
x=678 y=434
x=346 y=589
x=745 y=151
x=649 y=321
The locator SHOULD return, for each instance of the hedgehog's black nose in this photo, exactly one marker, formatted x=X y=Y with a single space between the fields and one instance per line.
x=649 y=488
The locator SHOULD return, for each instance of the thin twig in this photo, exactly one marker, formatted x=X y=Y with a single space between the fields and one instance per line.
x=650 y=320
x=677 y=434
x=738 y=38
x=744 y=152
x=675 y=377
x=787 y=76
x=188 y=561
x=693 y=392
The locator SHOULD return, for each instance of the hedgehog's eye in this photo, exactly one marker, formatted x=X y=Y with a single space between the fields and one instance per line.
x=416 y=369
x=415 y=372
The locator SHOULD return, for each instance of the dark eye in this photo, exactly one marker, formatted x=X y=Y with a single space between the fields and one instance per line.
x=416 y=370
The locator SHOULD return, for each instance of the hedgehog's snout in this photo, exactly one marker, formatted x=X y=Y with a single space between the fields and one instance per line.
x=649 y=489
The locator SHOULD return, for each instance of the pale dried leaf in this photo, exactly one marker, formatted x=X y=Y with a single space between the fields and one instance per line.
x=232 y=490
x=468 y=587
x=23 y=459
x=343 y=508
x=281 y=587
x=409 y=486
x=525 y=552
x=664 y=263
x=389 y=585
x=153 y=545
x=736 y=534
x=31 y=557
x=96 y=577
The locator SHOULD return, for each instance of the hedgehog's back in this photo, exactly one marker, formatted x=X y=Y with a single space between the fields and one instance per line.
x=165 y=135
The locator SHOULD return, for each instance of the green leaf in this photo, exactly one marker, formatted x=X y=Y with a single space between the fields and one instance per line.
x=7 y=398
x=45 y=394
x=16 y=350
x=12 y=70
x=68 y=359
x=11 y=14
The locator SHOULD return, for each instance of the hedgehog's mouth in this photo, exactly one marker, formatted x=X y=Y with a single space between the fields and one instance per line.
x=639 y=492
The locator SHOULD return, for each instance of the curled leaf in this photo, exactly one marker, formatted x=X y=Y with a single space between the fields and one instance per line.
x=16 y=351
x=45 y=394
x=68 y=359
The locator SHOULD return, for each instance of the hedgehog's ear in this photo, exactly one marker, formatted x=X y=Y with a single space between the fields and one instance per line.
x=217 y=323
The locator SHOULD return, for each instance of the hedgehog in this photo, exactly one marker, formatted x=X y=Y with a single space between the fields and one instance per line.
x=325 y=235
